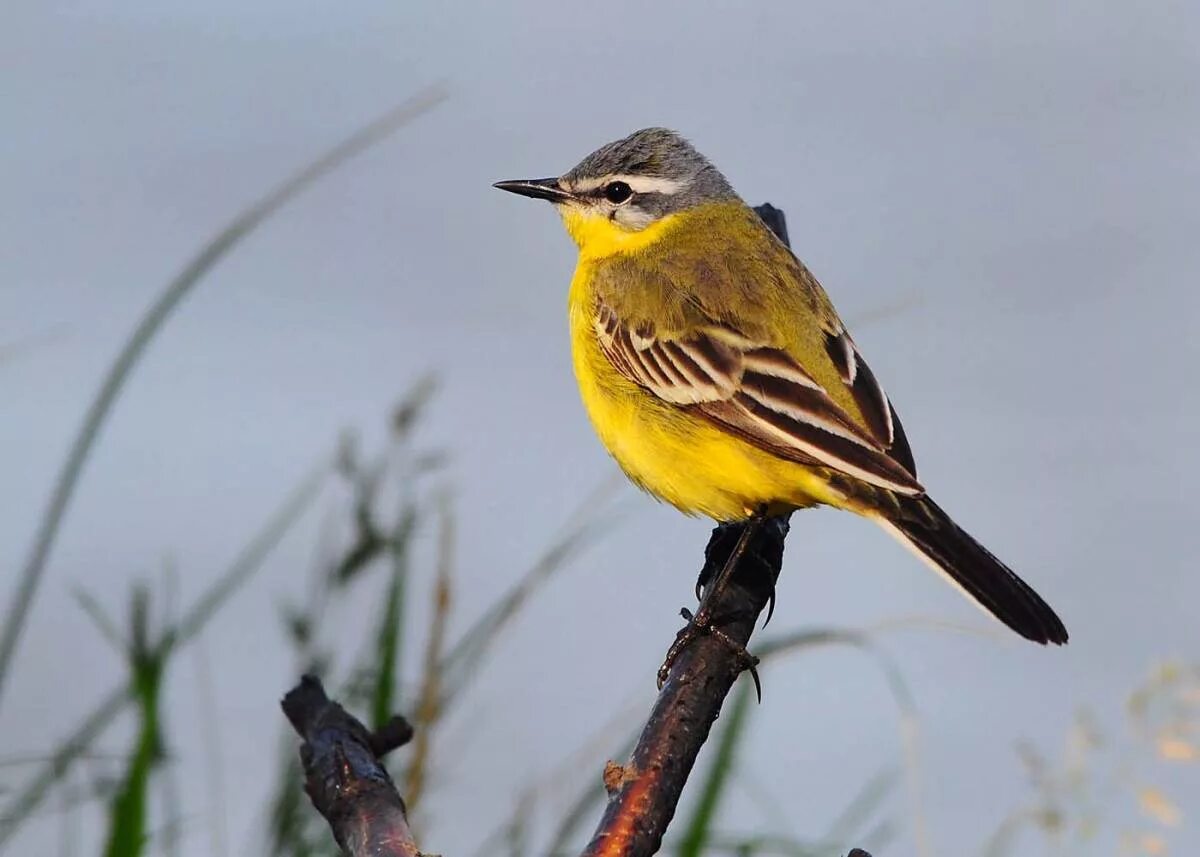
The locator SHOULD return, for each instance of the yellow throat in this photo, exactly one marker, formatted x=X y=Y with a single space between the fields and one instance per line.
x=598 y=236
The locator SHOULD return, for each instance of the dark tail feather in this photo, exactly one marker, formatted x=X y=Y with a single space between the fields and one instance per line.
x=928 y=531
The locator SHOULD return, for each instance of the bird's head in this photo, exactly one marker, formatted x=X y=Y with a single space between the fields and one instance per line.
x=619 y=196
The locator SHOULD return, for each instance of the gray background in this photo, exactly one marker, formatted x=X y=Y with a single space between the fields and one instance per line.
x=1019 y=178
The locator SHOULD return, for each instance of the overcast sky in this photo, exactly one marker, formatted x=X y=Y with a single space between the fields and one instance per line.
x=1005 y=194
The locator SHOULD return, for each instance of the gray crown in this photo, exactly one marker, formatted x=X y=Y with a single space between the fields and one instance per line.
x=658 y=153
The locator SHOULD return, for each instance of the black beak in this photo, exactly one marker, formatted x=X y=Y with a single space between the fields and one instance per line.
x=536 y=188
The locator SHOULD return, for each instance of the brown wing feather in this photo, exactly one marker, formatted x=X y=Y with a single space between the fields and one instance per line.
x=872 y=401
x=762 y=395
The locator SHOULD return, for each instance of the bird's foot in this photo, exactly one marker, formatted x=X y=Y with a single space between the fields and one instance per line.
x=712 y=578
x=697 y=625
x=706 y=577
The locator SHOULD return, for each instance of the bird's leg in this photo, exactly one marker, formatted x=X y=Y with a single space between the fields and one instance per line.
x=705 y=577
x=702 y=621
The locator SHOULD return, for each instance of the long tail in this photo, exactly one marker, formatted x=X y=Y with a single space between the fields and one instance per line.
x=928 y=531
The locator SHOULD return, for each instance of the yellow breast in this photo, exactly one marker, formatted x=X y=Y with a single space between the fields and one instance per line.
x=667 y=450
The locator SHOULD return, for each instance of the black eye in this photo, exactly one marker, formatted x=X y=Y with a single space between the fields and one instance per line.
x=617 y=192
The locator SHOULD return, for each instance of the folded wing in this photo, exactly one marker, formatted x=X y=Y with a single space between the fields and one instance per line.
x=763 y=395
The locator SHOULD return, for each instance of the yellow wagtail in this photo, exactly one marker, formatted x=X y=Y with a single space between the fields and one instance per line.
x=718 y=374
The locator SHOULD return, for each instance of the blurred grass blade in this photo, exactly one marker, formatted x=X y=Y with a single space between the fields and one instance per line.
x=699 y=828
x=901 y=696
x=217 y=248
x=581 y=528
x=791 y=643
x=414 y=403
x=168 y=837
x=878 y=838
x=582 y=808
x=26 y=802
x=885 y=312
x=12 y=350
x=1001 y=842
x=252 y=556
x=387 y=654
x=103 y=622
x=294 y=831
x=388 y=637
x=247 y=562
x=581 y=811
x=517 y=838
x=767 y=845
x=429 y=698
x=512 y=837
x=847 y=828
x=128 y=812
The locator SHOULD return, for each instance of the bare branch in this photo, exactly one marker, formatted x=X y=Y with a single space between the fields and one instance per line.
x=344 y=776
x=644 y=793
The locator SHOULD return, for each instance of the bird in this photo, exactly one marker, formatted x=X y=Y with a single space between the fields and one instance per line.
x=718 y=374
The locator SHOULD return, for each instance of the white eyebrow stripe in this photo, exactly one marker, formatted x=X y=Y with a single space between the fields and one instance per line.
x=638 y=184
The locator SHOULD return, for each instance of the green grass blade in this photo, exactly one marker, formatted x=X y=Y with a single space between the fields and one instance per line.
x=388 y=641
x=128 y=812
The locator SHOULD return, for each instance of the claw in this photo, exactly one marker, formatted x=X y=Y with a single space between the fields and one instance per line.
x=746 y=661
x=770 y=608
x=753 y=670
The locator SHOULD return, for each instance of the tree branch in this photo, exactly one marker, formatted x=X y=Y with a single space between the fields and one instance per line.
x=644 y=793
x=344 y=777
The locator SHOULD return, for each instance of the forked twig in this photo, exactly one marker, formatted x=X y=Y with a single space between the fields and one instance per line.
x=344 y=776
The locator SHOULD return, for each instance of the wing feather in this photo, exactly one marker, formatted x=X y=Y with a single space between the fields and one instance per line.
x=872 y=401
x=804 y=403
x=830 y=450
x=762 y=394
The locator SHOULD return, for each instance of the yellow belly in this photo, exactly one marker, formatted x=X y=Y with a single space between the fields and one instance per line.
x=672 y=453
